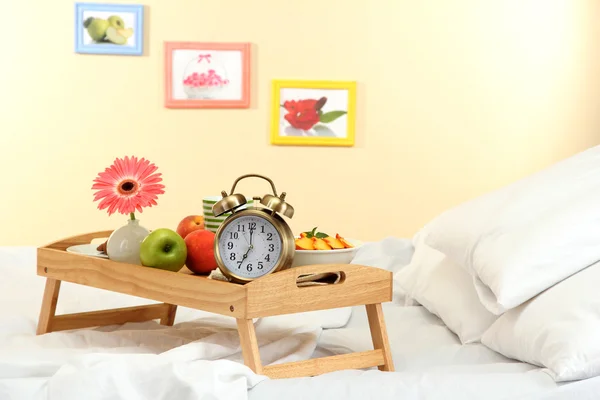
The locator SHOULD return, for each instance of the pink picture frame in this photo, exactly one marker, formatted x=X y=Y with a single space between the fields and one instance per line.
x=207 y=75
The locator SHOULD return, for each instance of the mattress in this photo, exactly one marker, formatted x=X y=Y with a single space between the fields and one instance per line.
x=200 y=356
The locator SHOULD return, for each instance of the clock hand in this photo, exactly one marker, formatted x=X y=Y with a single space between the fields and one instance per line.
x=250 y=246
x=246 y=254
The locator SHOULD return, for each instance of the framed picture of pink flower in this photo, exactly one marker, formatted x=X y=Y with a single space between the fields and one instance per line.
x=313 y=113
x=207 y=75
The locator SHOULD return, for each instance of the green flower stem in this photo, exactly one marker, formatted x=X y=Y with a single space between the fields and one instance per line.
x=132 y=216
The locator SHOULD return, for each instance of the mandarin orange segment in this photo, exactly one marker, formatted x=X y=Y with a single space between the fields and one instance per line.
x=321 y=241
x=320 y=244
x=335 y=243
x=344 y=241
x=304 y=243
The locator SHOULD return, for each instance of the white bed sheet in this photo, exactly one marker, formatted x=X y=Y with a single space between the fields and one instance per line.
x=429 y=360
x=200 y=357
x=430 y=363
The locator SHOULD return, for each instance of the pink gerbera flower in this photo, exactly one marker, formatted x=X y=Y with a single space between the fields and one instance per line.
x=128 y=185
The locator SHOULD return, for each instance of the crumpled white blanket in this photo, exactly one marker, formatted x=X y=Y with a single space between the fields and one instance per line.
x=200 y=357
x=197 y=359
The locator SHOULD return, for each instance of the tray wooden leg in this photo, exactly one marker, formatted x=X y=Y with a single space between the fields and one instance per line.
x=379 y=335
x=50 y=322
x=169 y=318
x=48 y=306
x=249 y=345
x=380 y=357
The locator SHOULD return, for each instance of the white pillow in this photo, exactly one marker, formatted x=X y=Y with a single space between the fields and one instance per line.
x=446 y=290
x=521 y=239
x=559 y=329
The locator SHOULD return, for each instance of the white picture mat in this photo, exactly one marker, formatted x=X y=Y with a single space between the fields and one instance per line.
x=337 y=100
x=229 y=60
x=129 y=19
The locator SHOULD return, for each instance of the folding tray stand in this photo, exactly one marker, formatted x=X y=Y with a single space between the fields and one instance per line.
x=274 y=294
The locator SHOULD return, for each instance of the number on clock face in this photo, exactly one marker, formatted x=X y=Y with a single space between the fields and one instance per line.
x=250 y=246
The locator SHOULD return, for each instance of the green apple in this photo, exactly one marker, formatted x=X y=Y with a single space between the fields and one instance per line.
x=113 y=36
x=116 y=21
x=163 y=249
x=96 y=28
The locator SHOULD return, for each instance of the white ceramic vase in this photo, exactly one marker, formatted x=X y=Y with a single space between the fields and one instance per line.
x=124 y=243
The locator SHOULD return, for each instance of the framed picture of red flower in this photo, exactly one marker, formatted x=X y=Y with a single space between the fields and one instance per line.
x=313 y=113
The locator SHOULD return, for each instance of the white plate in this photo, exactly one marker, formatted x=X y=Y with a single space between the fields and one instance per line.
x=338 y=256
x=86 y=249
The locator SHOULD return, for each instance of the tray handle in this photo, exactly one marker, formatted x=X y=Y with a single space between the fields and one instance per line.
x=321 y=279
x=281 y=293
x=340 y=275
x=85 y=238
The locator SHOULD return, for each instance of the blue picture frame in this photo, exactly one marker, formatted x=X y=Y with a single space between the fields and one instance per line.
x=82 y=37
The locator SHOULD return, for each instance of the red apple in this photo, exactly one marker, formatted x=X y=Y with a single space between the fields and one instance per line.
x=189 y=224
x=200 y=252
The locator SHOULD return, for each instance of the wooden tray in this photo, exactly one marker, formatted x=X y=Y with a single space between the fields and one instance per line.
x=271 y=295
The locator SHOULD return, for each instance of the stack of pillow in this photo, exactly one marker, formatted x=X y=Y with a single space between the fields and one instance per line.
x=518 y=269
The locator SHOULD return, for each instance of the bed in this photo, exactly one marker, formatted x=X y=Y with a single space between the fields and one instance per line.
x=495 y=298
x=122 y=362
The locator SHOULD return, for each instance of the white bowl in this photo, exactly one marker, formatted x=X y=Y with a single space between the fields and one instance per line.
x=340 y=256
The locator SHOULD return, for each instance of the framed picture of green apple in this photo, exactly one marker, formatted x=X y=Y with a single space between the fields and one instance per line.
x=109 y=29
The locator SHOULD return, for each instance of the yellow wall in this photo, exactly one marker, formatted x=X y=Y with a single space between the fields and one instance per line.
x=455 y=98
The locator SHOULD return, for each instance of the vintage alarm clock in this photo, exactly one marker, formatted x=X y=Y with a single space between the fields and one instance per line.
x=253 y=241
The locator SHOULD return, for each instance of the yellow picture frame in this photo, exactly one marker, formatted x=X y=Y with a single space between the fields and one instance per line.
x=302 y=118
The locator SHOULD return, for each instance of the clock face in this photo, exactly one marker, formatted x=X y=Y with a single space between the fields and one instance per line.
x=250 y=246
